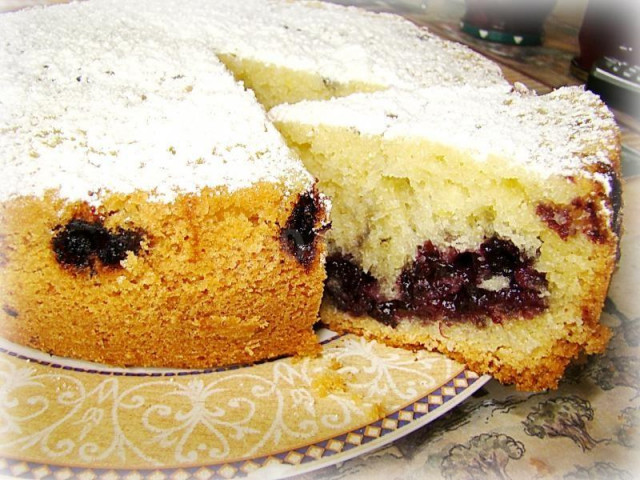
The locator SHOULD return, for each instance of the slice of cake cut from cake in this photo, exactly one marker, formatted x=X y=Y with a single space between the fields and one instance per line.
x=150 y=214
x=482 y=223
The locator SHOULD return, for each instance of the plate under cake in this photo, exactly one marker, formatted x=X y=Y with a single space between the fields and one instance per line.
x=482 y=223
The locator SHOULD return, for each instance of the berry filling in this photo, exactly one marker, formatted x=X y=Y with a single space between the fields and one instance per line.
x=579 y=216
x=496 y=281
x=83 y=244
x=299 y=236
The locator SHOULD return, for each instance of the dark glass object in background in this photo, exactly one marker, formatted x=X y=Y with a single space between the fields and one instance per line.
x=513 y=22
x=609 y=59
x=609 y=29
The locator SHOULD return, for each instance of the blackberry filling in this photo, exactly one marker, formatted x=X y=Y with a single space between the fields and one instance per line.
x=82 y=244
x=579 y=216
x=299 y=235
x=495 y=281
x=118 y=244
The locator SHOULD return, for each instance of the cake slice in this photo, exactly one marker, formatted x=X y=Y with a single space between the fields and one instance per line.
x=150 y=214
x=482 y=223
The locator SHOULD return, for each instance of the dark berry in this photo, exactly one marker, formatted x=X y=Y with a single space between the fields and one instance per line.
x=117 y=245
x=77 y=242
x=580 y=216
x=12 y=312
x=81 y=244
x=387 y=312
x=444 y=284
x=301 y=231
x=352 y=289
x=502 y=256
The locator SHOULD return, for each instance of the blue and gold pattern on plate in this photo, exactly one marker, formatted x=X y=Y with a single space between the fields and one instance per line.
x=66 y=419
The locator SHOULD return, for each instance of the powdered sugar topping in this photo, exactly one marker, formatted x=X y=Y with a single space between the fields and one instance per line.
x=560 y=133
x=347 y=44
x=342 y=44
x=93 y=101
x=115 y=95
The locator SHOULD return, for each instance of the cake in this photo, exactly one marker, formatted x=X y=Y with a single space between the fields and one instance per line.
x=150 y=214
x=469 y=216
x=479 y=222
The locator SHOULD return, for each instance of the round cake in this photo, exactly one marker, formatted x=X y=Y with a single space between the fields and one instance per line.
x=154 y=214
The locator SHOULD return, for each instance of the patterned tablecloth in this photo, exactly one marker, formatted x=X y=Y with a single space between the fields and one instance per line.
x=589 y=428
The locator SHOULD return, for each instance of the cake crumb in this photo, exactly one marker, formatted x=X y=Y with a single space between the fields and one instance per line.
x=329 y=382
x=377 y=411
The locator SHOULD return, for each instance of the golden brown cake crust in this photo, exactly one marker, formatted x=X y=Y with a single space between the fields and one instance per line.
x=211 y=286
x=532 y=374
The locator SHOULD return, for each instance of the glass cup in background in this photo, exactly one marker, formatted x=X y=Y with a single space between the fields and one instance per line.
x=512 y=22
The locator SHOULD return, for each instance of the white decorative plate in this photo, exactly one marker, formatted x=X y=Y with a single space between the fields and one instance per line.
x=61 y=418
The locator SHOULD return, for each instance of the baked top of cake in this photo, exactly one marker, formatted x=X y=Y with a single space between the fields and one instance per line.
x=345 y=44
x=568 y=132
x=93 y=100
x=341 y=43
